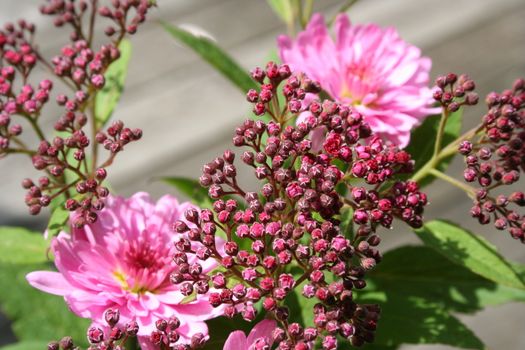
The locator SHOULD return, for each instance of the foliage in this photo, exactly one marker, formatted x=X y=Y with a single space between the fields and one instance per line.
x=46 y=316
x=190 y=188
x=419 y=291
x=214 y=55
x=21 y=246
x=107 y=99
x=471 y=251
x=423 y=138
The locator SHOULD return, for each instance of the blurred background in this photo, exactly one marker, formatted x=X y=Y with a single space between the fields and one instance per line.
x=188 y=111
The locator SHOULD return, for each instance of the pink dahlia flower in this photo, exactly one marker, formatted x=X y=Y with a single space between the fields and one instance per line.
x=259 y=335
x=373 y=69
x=123 y=261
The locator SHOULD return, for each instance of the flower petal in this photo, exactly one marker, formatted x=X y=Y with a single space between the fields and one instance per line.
x=262 y=329
x=236 y=341
x=49 y=282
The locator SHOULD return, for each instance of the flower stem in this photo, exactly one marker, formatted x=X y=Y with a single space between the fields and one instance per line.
x=440 y=133
x=445 y=152
x=471 y=191
x=452 y=147
x=307 y=12
x=94 y=9
x=95 y=130
x=343 y=8
x=20 y=150
x=433 y=161
x=35 y=126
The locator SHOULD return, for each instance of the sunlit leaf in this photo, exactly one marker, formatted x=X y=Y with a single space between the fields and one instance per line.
x=191 y=188
x=214 y=55
x=57 y=221
x=283 y=8
x=27 y=345
x=107 y=99
x=21 y=246
x=471 y=251
x=33 y=313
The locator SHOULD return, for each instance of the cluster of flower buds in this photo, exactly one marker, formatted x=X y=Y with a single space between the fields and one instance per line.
x=15 y=46
x=68 y=155
x=112 y=336
x=166 y=337
x=126 y=15
x=109 y=337
x=294 y=222
x=27 y=103
x=65 y=343
x=452 y=91
x=71 y=170
x=84 y=67
x=495 y=157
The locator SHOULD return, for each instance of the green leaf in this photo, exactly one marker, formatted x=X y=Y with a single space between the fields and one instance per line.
x=27 y=345
x=423 y=138
x=107 y=99
x=221 y=327
x=423 y=272
x=57 y=221
x=35 y=314
x=417 y=289
x=469 y=250
x=189 y=298
x=283 y=8
x=214 y=55
x=21 y=246
x=408 y=319
x=347 y=227
x=191 y=188
x=374 y=346
x=302 y=307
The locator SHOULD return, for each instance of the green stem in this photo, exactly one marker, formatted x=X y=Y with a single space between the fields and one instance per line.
x=439 y=153
x=92 y=21
x=343 y=8
x=471 y=191
x=432 y=162
x=452 y=147
x=20 y=150
x=65 y=189
x=440 y=133
x=19 y=143
x=307 y=12
x=35 y=126
x=424 y=171
x=275 y=109
x=290 y=23
x=95 y=129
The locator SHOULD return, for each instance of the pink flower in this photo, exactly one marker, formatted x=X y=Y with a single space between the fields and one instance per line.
x=262 y=332
x=123 y=261
x=373 y=69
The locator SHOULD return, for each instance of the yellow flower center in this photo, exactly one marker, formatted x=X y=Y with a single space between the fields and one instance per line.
x=121 y=278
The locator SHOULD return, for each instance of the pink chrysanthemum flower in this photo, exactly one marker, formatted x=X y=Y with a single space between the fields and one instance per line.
x=371 y=68
x=123 y=261
x=260 y=337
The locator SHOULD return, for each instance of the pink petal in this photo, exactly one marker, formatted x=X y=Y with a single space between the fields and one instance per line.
x=188 y=329
x=371 y=67
x=49 y=282
x=145 y=343
x=199 y=310
x=262 y=329
x=236 y=341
